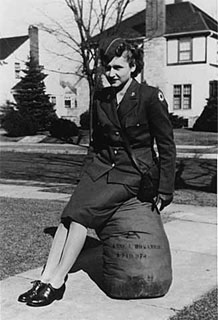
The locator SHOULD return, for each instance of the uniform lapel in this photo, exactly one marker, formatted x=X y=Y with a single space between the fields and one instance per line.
x=108 y=104
x=129 y=101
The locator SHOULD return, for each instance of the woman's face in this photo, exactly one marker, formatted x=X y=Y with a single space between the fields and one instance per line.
x=118 y=71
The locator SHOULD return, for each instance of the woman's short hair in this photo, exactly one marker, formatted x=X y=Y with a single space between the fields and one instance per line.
x=132 y=52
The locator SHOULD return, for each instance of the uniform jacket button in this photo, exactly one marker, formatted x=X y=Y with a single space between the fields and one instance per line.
x=117 y=133
x=113 y=165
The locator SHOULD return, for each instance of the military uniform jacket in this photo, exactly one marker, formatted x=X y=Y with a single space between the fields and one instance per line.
x=143 y=115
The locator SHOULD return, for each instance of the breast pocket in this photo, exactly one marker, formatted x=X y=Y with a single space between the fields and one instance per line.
x=136 y=128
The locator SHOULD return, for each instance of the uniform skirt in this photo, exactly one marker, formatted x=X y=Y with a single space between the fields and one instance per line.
x=94 y=202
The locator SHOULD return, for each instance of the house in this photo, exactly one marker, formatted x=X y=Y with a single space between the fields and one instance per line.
x=14 y=52
x=69 y=95
x=180 y=56
x=180 y=52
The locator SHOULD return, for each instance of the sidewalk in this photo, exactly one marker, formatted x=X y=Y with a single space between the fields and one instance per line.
x=192 y=236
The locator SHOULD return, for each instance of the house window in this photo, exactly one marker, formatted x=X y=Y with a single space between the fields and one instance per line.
x=182 y=97
x=67 y=102
x=185 y=50
x=213 y=88
x=53 y=100
x=187 y=96
x=70 y=101
x=17 y=70
x=177 y=97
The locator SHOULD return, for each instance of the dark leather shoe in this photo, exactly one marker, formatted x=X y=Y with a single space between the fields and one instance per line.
x=46 y=296
x=37 y=285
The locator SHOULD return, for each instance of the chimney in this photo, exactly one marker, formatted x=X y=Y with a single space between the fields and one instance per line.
x=155 y=44
x=155 y=18
x=178 y=1
x=34 y=43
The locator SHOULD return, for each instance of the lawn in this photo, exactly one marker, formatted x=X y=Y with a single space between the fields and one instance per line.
x=189 y=137
x=182 y=137
x=24 y=245
x=203 y=309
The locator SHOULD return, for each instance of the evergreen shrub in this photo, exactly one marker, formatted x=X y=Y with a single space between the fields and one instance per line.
x=63 y=129
x=84 y=120
x=207 y=121
x=177 y=121
x=33 y=112
x=17 y=125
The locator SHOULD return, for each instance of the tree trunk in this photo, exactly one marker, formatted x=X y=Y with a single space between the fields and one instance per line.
x=91 y=100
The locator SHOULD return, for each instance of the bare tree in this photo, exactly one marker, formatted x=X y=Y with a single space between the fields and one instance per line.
x=90 y=17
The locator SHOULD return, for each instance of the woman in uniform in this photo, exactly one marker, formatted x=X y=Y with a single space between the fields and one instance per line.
x=109 y=177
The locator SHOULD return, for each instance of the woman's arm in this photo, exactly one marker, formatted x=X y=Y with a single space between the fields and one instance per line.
x=161 y=130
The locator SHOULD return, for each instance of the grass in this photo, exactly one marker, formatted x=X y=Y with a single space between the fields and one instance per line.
x=203 y=309
x=24 y=245
x=182 y=137
x=189 y=137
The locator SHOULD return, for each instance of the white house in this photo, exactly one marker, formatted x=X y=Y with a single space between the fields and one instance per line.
x=180 y=52
x=69 y=94
x=191 y=59
x=69 y=101
x=13 y=55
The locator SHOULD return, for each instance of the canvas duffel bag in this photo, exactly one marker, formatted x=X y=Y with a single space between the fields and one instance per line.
x=136 y=253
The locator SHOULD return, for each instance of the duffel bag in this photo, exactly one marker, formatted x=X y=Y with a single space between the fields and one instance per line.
x=136 y=253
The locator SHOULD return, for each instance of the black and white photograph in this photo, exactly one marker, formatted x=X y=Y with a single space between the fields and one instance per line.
x=108 y=159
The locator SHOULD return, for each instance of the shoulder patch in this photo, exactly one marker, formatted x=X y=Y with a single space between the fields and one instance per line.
x=161 y=96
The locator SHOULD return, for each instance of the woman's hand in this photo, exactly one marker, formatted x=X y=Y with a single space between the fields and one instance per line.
x=163 y=200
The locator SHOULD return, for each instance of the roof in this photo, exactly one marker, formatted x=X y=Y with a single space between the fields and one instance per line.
x=186 y=17
x=9 y=45
x=68 y=86
x=182 y=17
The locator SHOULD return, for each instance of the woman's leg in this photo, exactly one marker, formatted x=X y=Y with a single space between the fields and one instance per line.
x=55 y=253
x=51 y=265
x=99 y=198
x=72 y=248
